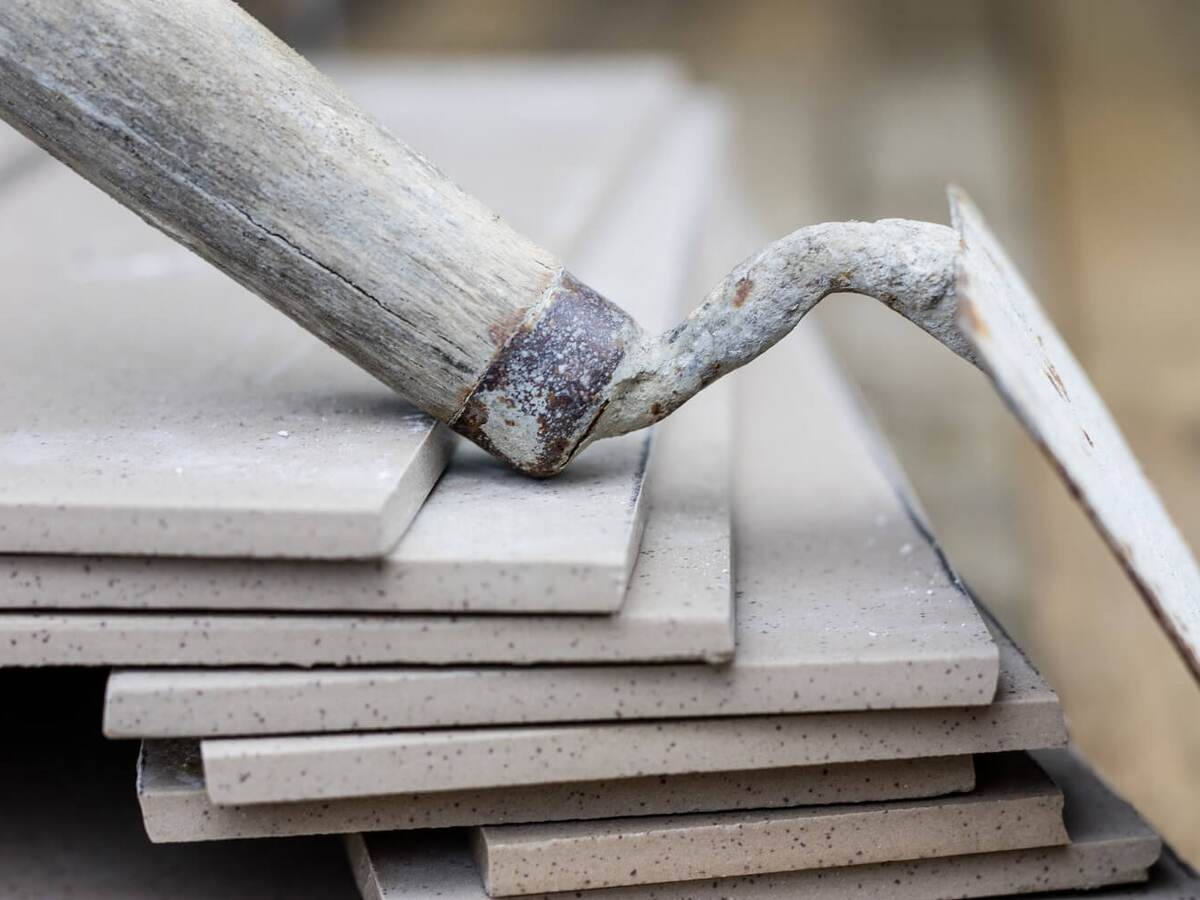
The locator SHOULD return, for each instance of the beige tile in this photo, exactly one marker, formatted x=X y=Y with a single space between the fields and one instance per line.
x=181 y=415
x=679 y=608
x=176 y=808
x=1109 y=845
x=264 y=770
x=1014 y=806
x=487 y=538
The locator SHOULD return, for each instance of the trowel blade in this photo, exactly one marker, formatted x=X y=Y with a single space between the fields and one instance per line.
x=1051 y=395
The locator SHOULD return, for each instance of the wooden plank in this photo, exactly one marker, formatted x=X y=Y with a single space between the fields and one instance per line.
x=175 y=806
x=679 y=606
x=860 y=616
x=1025 y=715
x=1109 y=845
x=1013 y=807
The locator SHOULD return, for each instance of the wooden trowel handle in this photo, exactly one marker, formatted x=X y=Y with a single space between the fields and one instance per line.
x=197 y=118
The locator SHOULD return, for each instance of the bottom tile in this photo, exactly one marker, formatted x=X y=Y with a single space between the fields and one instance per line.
x=1014 y=806
x=1109 y=845
x=176 y=807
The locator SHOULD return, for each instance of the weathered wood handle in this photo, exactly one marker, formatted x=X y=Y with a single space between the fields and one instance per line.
x=197 y=118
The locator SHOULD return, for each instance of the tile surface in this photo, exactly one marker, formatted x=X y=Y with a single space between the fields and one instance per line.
x=679 y=606
x=1024 y=715
x=190 y=421
x=844 y=604
x=487 y=538
x=1108 y=845
x=182 y=415
x=1013 y=807
x=176 y=808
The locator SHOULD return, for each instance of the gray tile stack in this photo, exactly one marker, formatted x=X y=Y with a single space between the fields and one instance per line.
x=725 y=660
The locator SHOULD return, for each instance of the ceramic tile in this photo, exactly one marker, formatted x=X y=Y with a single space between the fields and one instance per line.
x=1025 y=715
x=1109 y=845
x=679 y=606
x=181 y=415
x=176 y=808
x=1014 y=806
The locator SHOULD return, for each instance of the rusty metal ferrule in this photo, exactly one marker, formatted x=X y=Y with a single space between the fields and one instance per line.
x=548 y=383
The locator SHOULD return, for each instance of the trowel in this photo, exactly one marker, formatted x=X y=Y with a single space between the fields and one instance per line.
x=211 y=129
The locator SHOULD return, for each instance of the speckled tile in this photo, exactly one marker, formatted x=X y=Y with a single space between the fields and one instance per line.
x=1109 y=845
x=176 y=808
x=454 y=557
x=486 y=539
x=1025 y=715
x=679 y=606
x=1014 y=806
x=181 y=415
x=860 y=613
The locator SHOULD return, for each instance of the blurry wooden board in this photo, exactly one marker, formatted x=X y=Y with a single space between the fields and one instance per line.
x=1050 y=393
x=1013 y=807
x=845 y=605
x=175 y=806
x=1125 y=212
x=1109 y=845
x=1024 y=715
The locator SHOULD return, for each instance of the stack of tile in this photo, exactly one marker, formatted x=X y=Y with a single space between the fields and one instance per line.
x=493 y=686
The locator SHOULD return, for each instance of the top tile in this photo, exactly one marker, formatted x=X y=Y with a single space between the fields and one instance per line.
x=152 y=406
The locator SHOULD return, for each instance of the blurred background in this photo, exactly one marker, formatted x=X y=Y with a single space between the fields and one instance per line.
x=1076 y=126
